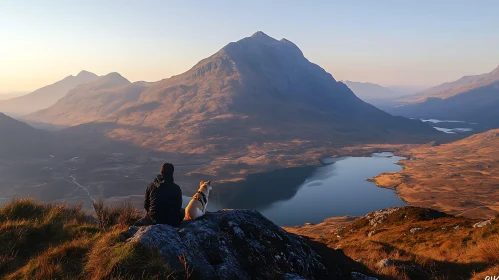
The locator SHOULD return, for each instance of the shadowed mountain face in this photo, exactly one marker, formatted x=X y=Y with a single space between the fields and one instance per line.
x=44 y=97
x=255 y=91
x=18 y=139
x=447 y=90
x=479 y=105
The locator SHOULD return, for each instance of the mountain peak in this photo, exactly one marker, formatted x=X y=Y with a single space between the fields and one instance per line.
x=85 y=72
x=259 y=39
x=111 y=80
x=86 y=75
x=114 y=75
x=260 y=34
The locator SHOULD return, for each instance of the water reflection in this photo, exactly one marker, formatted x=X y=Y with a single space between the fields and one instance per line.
x=293 y=196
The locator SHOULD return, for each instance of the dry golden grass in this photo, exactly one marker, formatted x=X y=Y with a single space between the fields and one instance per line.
x=110 y=258
x=438 y=251
x=461 y=178
x=124 y=215
x=48 y=241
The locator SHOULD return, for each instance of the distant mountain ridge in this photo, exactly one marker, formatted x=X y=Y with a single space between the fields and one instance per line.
x=477 y=105
x=91 y=101
x=44 y=97
x=449 y=89
x=372 y=92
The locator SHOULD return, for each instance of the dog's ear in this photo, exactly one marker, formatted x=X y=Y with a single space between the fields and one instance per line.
x=209 y=182
x=201 y=183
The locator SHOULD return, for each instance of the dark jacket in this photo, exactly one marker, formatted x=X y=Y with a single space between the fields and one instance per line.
x=163 y=201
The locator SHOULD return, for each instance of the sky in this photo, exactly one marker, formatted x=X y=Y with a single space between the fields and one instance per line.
x=421 y=43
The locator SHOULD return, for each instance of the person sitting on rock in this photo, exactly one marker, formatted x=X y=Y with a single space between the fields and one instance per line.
x=163 y=200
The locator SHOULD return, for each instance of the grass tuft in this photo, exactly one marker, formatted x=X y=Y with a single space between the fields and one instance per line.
x=108 y=216
x=54 y=241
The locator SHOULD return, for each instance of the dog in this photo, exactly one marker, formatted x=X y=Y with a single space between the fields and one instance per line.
x=197 y=206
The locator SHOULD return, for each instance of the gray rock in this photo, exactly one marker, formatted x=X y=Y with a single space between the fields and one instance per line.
x=413 y=230
x=384 y=263
x=233 y=244
x=360 y=276
x=290 y=276
x=378 y=217
x=482 y=224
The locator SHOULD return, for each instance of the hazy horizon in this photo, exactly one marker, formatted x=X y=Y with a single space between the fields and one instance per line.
x=388 y=43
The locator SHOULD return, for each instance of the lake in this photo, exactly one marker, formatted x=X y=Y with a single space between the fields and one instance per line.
x=452 y=126
x=294 y=196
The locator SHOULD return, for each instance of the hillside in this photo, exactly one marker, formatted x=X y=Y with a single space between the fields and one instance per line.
x=460 y=178
x=447 y=90
x=255 y=101
x=478 y=105
x=44 y=97
x=412 y=243
x=73 y=165
x=18 y=139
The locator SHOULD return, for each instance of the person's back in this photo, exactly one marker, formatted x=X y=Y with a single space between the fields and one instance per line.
x=163 y=199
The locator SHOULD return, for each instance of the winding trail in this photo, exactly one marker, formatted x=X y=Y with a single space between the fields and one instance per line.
x=82 y=187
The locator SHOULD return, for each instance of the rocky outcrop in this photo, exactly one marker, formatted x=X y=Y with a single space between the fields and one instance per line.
x=234 y=244
x=483 y=223
x=378 y=217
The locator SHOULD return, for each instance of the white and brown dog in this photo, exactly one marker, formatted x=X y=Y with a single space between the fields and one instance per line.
x=197 y=206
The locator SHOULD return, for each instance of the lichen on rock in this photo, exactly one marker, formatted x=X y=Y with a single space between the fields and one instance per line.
x=233 y=244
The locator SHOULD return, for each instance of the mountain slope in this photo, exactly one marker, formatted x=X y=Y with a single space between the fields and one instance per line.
x=478 y=105
x=447 y=90
x=460 y=178
x=18 y=139
x=44 y=97
x=252 y=97
x=372 y=92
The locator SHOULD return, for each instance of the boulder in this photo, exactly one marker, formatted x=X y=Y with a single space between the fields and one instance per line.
x=379 y=217
x=360 y=276
x=384 y=263
x=414 y=230
x=233 y=244
x=482 y=224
